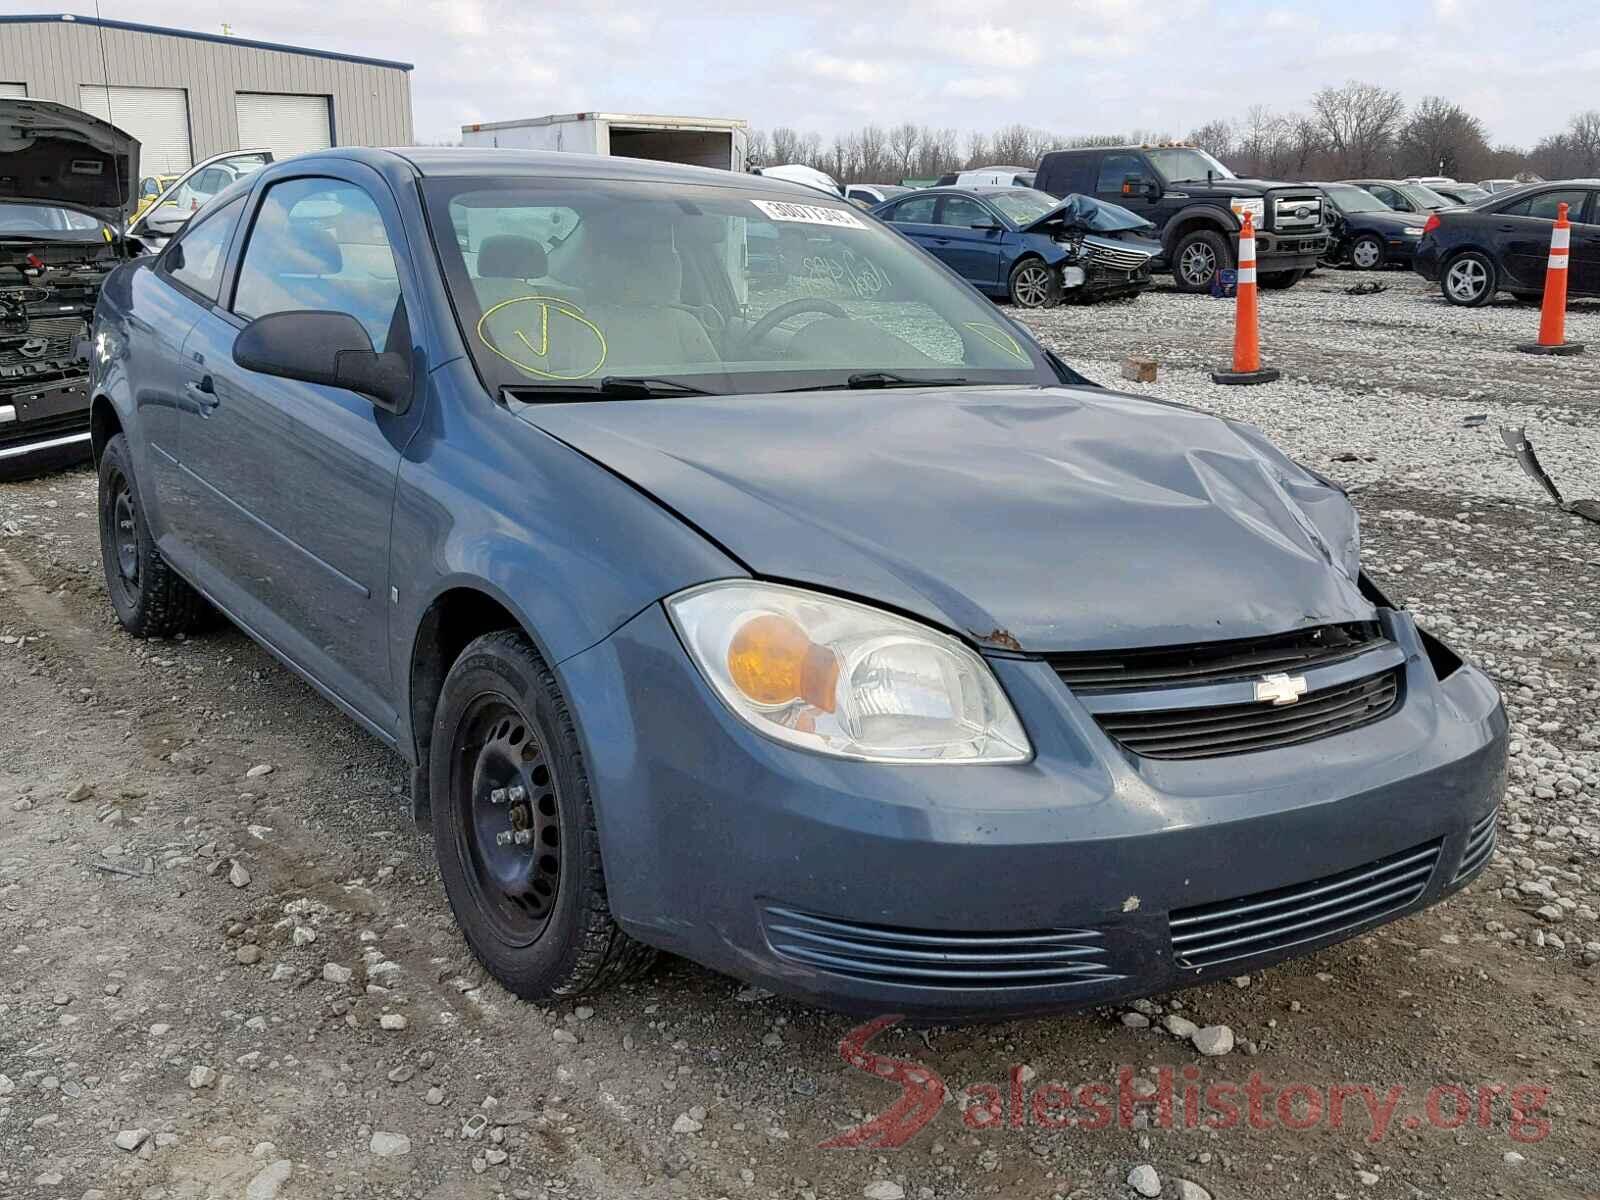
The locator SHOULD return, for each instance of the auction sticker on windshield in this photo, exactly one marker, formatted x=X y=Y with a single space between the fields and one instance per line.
x=809 y=214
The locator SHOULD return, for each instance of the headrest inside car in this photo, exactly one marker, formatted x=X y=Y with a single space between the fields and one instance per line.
x=508 y=256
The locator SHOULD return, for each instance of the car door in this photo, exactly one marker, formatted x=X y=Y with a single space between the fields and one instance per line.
x=1585 y=266
x=913 y=218
x=292 y=483
x=1126 y=177
x=970 y=238
x=1522 y=234
x=167 y=301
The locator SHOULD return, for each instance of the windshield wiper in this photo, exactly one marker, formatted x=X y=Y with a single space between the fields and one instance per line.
x=888 y=379
x=612 y=387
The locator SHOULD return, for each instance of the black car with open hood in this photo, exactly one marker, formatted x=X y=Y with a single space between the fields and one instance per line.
x=67 y=188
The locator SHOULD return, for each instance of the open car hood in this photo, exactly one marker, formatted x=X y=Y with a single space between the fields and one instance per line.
x=1039 y=519
x=58 y=155
x=1085 y=212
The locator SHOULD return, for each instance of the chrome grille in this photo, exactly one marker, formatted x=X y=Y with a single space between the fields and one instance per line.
x=1270 y=921
x=925 y=959
x=1287 y=210
x=1115 y=257
x=1221 y=729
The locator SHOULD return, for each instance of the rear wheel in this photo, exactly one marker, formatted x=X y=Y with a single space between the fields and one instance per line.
x=514 y=827
x=1468 y=279
x=149 y=598
x=1034 y=285
x=1197 y=258
x=1367 y=253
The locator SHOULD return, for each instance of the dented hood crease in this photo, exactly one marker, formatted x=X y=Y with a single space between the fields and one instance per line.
x=1046 y=519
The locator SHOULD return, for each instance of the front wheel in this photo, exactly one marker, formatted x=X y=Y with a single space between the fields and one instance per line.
x=1468 y=279
x=514 y=827
x=1367 y=253
x=149 y=598
x=1197 y=258
x=1034 y=285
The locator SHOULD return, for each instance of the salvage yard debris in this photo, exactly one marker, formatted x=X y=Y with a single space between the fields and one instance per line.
x=1516 y=440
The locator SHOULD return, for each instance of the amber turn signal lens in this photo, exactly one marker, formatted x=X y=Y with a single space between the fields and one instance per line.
x=772 y=661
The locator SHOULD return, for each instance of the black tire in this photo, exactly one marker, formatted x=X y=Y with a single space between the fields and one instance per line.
x=1281 y=281
x=149 y=598
x=1469 y=279
x=1535 y=298
x=1197 y=257
x=1368 y=253
x=535 y=914
x=1033 y=284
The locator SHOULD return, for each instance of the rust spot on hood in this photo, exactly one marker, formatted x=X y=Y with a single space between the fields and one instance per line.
x=1000 y=637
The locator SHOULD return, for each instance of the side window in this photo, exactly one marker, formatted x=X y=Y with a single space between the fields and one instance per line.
x=916 y=211
x=1545 y=204
x=1115 y=170
x=196 y=256
x=1389 y=197
x=319 y=245
x=958 y=210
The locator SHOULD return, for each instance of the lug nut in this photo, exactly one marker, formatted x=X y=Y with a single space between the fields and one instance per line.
x=497 y=796
x=516 y=793
x=523 y=837
x=502 y=838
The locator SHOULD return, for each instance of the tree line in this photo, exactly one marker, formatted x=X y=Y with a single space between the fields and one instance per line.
x=1356 y=131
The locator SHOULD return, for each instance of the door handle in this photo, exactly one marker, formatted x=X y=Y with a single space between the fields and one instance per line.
x=204 y=392
x=1507 y=228
x=942 y=241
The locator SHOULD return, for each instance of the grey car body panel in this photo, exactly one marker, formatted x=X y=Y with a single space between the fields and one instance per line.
x=33 y=173
x=1041 y=519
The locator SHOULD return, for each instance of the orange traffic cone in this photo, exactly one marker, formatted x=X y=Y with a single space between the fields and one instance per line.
x=1247 y=366
x=1553 y=313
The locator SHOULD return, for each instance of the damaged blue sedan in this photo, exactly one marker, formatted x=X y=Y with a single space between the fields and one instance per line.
x=793 y=612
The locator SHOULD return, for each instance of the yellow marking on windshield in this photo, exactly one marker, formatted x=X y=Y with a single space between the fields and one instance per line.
x=998 y=338
x=564 y=308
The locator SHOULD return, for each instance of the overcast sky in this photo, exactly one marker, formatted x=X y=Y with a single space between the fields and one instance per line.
x=1073 y=66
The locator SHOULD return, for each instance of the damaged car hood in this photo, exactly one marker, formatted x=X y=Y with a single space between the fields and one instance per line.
x=1040 y=519
x=1085 y=212
x=53 y=154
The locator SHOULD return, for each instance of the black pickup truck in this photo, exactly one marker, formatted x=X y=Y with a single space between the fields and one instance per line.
x=1197 y=205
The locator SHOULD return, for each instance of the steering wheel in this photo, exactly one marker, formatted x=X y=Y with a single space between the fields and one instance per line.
x=783 y=312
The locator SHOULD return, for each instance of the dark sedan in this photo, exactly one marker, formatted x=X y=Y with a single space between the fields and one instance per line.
x=834 y=635
x=1402 y=196
x=1367 y=233
x=1026 y=246
x=1503 y=245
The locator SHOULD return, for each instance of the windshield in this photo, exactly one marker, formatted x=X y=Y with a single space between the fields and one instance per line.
x=1022 y=206
x=723 y=289
x=49 y=223
x=1348 y=199
x=190 y=191
x=1183 y=164
x=1422 y=197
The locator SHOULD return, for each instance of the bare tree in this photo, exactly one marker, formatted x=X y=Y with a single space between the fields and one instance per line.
x=1216 y=137
x=1441 y=138
x=759 y=151
x=1358 y=122
x=904 y=141
x=785 y=145
x=1012 y=147
x=872 y=155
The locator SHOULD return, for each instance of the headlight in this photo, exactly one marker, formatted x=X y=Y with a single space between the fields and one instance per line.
x=1411 y=231
x=846 y=679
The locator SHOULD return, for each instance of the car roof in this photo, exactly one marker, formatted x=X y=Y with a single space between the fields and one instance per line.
x=487 y=162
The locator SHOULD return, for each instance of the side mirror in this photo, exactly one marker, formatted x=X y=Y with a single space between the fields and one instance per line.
x=1152 y=189
x=986 y=226
x=327 y=348
x=167 y=219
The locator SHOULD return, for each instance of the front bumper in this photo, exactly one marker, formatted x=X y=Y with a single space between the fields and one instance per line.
x=848 y=884
x=44 y=426
x=1289 y=251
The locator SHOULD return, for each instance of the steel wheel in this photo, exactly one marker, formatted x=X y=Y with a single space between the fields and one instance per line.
x=120 y=531
x=1467 y=280
x=509 y=818
x=1366 y=254
x=1197 y=264
x=1031 y=286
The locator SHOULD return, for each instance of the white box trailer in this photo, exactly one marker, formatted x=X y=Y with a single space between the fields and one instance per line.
x=697 y=141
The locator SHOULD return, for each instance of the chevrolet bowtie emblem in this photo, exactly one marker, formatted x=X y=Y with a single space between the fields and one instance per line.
x=1280 y=689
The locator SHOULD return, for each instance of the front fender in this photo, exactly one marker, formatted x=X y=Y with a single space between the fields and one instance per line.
x=1220 y=219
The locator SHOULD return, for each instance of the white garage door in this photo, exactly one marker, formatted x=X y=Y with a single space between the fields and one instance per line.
x=283 y=124
x=158 y=117
x=13 y=89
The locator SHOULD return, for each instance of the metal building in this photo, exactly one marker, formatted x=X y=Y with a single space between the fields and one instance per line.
x=187 y=96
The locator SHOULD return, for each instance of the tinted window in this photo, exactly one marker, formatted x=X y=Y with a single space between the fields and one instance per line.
x=1544 y=205
x=195 y=258
x=918 y=210
x=319 y=245
x=958 y=210
x=1116 y=168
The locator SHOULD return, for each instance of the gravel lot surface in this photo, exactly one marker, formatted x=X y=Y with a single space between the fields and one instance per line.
x=227 y=969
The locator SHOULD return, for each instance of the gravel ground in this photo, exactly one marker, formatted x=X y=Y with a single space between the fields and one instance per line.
x=226 y=968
